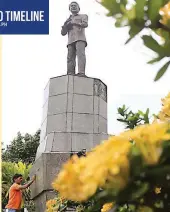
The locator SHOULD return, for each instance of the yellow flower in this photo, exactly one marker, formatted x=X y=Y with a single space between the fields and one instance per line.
x=165 y=13
x=148 y=138
x=50 y=205
x=107 y=207
x=106 y=165
x=157 y=190
x=164 y=114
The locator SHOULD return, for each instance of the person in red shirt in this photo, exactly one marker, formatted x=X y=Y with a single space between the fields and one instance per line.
x=15 y=193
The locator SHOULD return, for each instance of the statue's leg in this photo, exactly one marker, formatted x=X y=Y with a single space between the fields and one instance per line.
x=81 y=56
x=71 y=59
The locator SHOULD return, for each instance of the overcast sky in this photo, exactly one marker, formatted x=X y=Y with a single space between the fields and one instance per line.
x=29 y=62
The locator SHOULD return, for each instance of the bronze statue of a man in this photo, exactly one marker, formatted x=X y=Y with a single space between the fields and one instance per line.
x=75 y=28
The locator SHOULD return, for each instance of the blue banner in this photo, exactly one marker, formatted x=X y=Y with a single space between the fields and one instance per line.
x=24 y=17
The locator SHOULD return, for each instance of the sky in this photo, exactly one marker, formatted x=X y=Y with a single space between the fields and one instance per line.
x=30 y=60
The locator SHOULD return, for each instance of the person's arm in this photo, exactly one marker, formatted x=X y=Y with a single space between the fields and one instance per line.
x=20 y=187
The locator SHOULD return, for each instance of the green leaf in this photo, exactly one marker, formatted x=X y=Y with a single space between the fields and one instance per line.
x=140 y=12
x=147 y=112
x=121 y=111
x=136 y=163
x=131 y=118
x=146 y=118
x=162 y=71
x=152 y=44
x=133 y=191
x=130 y=13
x=165 y=35
x=140 y=113
x=121 y=120
x=157 y=59
x=166 y=46
x=121 y=22
x=112 y=6
x=158 y=172
x=140 y=191
x=128 y=40
x=166 y=150
x=134 y=30
x=153 y=10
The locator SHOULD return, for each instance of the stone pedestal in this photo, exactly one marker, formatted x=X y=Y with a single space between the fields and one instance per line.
x=74 y=118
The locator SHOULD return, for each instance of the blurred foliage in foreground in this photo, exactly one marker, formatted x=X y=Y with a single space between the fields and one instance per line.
x=149 y=19
x=128 y=172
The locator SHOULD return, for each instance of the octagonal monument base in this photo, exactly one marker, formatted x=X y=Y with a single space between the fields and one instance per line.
x=74 y=118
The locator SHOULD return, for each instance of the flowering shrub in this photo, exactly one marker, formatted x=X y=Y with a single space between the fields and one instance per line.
x=131 y=169
x=106 y=207
x=165 y=112
x=57 y=204
x=61 y=204
x=164 y=11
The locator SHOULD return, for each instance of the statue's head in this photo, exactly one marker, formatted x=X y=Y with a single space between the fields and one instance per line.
x=74 y=7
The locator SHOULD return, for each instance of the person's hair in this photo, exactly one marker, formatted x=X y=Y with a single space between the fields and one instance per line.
x=16 y=176
x=75 y=3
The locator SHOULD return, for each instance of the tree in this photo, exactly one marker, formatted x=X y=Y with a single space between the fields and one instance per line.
x=22 y=148
x=131 y=119
x=148 y=19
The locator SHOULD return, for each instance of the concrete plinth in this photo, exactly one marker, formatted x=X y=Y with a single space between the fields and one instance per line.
x=46 y=168
x=74 y=118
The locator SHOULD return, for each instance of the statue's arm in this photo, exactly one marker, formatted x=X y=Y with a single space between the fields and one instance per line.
x=84 y=22
x=64 y=30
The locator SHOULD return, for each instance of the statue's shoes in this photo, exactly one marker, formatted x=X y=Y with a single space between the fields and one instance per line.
x=81 y=75
x=71 y=73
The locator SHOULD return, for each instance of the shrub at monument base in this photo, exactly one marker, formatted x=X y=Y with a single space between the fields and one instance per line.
x=131 y=169
x=9 y=169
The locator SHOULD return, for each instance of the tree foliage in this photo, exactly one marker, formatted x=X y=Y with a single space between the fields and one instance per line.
x=132 y=119
x=18 y=158
x=150 y=19
x=9 y=169
x=22 y=148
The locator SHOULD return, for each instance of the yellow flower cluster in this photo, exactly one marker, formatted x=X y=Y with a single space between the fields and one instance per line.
x=107 y=207
x=50 y=204
x=164 y=114
x=108 y=164
x=165 y=13
x=148 y=138
x=157 y=190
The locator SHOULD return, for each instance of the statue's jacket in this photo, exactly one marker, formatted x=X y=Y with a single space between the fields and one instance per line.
x=77 y=33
